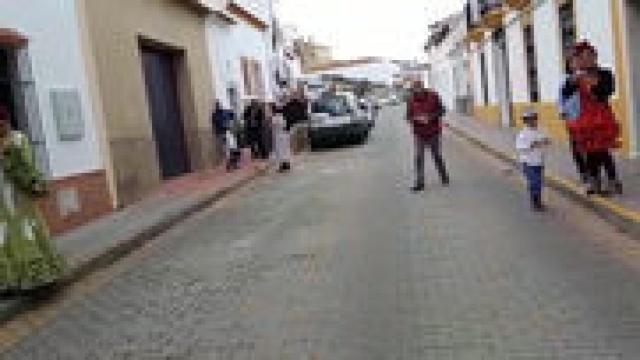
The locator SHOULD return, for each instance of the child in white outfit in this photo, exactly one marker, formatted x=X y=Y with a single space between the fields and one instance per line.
x=531 y=144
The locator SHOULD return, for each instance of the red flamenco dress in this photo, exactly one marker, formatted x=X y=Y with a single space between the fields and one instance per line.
x=596 y=129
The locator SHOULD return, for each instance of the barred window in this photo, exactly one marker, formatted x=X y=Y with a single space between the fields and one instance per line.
x=532 y=63
x=567 y=27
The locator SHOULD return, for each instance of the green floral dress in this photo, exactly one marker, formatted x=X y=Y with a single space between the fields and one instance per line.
x=28 y=259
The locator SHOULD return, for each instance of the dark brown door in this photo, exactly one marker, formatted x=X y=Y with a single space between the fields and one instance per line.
x=162 y=94
x=6 y=93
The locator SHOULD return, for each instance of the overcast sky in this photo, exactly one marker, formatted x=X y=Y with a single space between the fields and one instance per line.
x=390 y=28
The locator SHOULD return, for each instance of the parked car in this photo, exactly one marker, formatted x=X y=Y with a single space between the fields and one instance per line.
x=393 y=100
x=336 y=119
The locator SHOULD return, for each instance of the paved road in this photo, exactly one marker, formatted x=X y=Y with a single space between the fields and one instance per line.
x=340 y=261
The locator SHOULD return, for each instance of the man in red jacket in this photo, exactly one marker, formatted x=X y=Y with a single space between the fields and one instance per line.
x=424 y=114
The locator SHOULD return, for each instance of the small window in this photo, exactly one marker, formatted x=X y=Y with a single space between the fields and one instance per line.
x=67 y=113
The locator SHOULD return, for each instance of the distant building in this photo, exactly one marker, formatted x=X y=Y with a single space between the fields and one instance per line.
x=449 y=63
x=374 y=70
x=287 y=64
x=312 y=54
x=408 y=71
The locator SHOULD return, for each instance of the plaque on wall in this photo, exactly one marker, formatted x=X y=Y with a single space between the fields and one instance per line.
x=67 y=113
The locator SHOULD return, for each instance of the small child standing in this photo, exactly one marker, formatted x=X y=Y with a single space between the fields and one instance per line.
x=531 y=144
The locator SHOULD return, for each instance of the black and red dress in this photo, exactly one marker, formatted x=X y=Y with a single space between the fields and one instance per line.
x=596 y=128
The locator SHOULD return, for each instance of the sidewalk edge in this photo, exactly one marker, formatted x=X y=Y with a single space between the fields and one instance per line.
x=126 y=246
x=625 y=219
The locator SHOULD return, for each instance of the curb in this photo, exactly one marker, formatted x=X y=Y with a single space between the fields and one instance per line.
x=124 y=247
x=624 y=219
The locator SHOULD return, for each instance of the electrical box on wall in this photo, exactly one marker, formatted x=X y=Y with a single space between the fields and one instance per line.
x=67 y=113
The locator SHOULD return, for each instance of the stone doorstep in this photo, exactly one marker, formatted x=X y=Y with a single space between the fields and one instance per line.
x=117 y=247
x=623 y=218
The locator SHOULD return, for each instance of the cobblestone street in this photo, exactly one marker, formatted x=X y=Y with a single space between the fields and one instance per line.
x=339 y=260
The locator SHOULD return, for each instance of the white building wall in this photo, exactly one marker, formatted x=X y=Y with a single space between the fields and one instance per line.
x=491 y=72
x=596 y=28
x=57 y=63
x=548 y=50
x=517 y=61
x=219 y=35
x=631 y=14
x=478 y=98
x=228 y=44
x=439 y=79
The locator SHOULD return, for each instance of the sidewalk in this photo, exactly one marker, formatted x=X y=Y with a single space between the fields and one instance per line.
x=623 y=210
x=104 y=241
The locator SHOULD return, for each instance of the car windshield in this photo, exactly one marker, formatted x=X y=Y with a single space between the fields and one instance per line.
x=334 y=105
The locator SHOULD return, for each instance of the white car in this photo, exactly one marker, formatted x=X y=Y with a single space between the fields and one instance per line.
x=336 y=119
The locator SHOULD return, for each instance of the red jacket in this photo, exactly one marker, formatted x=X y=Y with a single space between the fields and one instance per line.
x=425 y=103
x=596 y=129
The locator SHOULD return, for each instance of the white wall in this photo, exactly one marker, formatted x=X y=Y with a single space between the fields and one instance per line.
x=57 y=62
x=631 y=10
x=491 y=72
x=227 y=44
x=597 y=28
x=478 y=97
x=548 y=50
x=517 y=62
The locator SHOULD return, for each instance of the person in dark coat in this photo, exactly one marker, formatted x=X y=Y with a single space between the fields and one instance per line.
x=424 y=113
x=295 y=111
x=596 y=130
x=254 y=117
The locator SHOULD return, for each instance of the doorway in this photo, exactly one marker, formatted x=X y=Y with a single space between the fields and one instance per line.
x=160 y=74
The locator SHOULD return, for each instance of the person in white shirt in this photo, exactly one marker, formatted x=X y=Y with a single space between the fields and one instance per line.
x=531 y=144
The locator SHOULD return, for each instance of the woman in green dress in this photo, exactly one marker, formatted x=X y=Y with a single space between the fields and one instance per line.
x=28 y=260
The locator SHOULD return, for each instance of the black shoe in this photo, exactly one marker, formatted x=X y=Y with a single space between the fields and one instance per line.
x=418 y=188
x=446 y=182
x=614 y=187
x=595 y=187
x=584 y=179
x=285 y=167
x=536 y=204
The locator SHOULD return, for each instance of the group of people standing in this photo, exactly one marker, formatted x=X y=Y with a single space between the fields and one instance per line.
x=584 y=105
x=593 y=129
x=591 y=124
x=267 y=127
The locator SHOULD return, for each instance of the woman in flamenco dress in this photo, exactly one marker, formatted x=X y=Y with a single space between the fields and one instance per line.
x=596 y=130
x=28 y=261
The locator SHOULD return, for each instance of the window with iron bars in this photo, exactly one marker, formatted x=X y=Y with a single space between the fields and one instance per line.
x=18 y=94
x=567 y=27
x=532 y=63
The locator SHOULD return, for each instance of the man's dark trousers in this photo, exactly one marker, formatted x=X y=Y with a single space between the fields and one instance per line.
x=434 y=143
